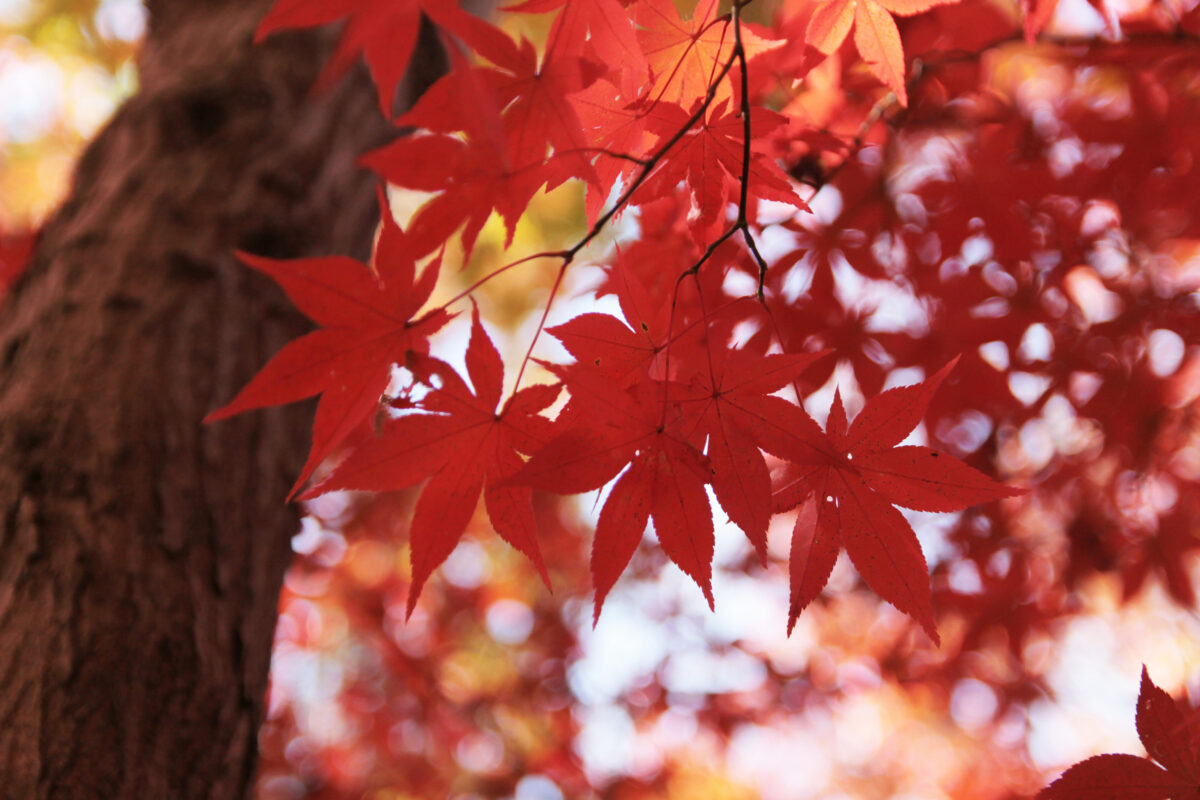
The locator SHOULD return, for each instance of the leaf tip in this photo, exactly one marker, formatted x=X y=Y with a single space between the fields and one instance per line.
x=414 y=594
x=264 y=30
x=217 y=415
x=385 y=208
x=313 y=492
x=315 y=457
x=246 y=257
x=292 y=493
x=1146 y=686
x=540 y=565
x=930 y=628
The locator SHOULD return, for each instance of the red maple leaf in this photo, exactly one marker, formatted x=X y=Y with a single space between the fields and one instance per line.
x=384 y=31
x=472 y=179
x=1169 y=737
x=709 y=159
x=626 y=353
x=607 y=110
x=846 y=483
x=614 y=127
x=730 y=399
x=535 y=97
x=607 y=429
x=497 y=166
x=466 y=443
x=601 y=25
x=366 y=324
x=608 y=344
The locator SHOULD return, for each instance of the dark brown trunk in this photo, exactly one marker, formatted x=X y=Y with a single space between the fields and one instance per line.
x=141 y=554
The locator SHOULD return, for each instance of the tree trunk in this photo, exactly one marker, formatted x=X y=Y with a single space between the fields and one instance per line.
x=142 y=554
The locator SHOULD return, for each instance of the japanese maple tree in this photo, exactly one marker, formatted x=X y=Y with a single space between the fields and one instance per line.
x=866 y=213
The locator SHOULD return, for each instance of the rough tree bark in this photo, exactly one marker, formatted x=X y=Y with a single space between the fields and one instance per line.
x=141 y=554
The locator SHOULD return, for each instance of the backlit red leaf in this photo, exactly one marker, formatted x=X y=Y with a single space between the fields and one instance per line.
x=1167 y=735
x=367 y=326
x=815 y=546
x=465 y=446
x=878 y=42
x=622 y=522
x=1115 y=775
x=884 y=549
x=1162 y=729
x=923 y=479
x=384 y=31
x=858 y=473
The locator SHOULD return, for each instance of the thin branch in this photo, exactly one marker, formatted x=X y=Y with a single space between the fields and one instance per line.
x=652 y=162
x=568 y=256
x=562 y=270
x=494 y=273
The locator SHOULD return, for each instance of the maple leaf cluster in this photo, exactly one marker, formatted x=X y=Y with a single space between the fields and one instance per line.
x=984 y=247
x=699 y=386
x=665 y=402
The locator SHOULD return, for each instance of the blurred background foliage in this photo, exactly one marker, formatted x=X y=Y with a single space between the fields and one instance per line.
x=64 y=67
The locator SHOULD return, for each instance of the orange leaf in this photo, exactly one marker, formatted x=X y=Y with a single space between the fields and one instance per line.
x=685 y=55
x=878 y=42
x=829 y=25
x=907 y=8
